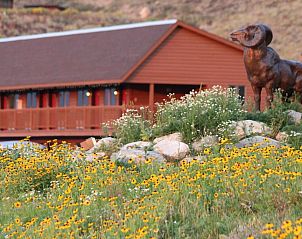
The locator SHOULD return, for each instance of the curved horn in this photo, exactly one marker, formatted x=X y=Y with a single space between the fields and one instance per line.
x=256 y=35
x=268 y=34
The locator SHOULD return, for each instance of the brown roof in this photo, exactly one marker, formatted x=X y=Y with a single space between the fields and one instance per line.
x=94 y=56
x=79 y=58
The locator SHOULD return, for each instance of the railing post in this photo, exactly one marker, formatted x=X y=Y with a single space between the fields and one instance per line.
x=15 y=120
x=151 y=97
x=65 y=118
x=30 y=119
x=47 y=118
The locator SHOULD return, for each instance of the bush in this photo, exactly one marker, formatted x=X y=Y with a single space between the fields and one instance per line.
x=276 y=117
x=133 y=126
x=197 y=114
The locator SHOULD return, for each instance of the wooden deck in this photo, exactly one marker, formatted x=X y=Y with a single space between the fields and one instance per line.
x=69 y=121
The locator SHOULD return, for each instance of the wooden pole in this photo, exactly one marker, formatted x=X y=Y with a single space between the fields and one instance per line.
x=151 y=96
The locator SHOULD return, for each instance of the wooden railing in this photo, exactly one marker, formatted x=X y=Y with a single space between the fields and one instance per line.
x=57 y=119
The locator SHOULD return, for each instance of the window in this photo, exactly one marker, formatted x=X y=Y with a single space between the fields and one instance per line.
x=110 y=96
x=13 y=101
x=31 y=100
x=240 y=90
x=64 y=98
x=83 y=97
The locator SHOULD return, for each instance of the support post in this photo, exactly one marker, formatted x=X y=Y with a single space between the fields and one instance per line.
x=151 y=97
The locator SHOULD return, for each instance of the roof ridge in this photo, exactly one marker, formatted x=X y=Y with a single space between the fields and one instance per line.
x=89 y=30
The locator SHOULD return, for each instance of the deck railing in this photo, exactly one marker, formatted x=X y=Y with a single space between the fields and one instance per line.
x=57 y=119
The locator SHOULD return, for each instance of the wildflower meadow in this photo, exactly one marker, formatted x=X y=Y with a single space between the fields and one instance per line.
x=249 y=192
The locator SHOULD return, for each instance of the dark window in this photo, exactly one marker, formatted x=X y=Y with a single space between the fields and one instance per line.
x=110 y=97
x=31 y=100
x=64 y=98
x=240 y=90
x=13 y=101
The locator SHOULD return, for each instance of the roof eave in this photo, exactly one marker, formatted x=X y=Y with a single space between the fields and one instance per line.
x=60 y=85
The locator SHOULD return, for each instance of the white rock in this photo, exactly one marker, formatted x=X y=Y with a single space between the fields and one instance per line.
x=143 y=145
x=208 y=141
x=172 y=149
x=295 y=116
x=175 y=137
x=245 y=128
x=263 y=141
x=108 y=141
x=138 y=156
x=104 y=142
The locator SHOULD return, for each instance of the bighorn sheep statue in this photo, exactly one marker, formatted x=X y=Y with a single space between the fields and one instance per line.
x=263 y=65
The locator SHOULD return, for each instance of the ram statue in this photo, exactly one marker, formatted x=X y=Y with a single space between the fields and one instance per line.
x=263 y=65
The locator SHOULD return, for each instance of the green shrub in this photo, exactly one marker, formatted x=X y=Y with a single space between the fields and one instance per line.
x=133 y=126
x=275 y=117
x=294 y=135
x=197 y=114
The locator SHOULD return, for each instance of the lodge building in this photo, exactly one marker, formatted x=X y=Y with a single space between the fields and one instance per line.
x=66 y=84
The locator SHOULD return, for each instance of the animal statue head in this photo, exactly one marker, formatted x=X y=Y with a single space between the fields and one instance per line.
x=253 y=35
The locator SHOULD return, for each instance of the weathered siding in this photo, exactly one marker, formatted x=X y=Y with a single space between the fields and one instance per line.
x=190 y=58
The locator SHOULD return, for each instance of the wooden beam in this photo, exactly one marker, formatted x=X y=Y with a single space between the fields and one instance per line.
x=151 y=97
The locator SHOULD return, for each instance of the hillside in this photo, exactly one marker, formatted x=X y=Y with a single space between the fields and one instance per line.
x=216 y=16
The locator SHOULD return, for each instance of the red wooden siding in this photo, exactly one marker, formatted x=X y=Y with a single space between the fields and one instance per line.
x=190 y=58
x=73 y=98
x=138 y=94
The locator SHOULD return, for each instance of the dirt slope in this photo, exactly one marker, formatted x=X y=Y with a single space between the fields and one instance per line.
x=217 y=16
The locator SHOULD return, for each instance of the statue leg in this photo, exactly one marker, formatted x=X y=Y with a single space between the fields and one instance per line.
x=298 y=88
x=269 y=95
x=257 y=97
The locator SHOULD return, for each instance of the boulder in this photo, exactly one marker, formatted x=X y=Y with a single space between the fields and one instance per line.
x=103 y=143
x=88 y=143
x=282 y=136
x=138 y=156
x=142 y=145
x=106 y=142
x=201 y=144
x=172 y=150
x=246 y=128
x=175 y=137
x=295 y=116
x=263 y=141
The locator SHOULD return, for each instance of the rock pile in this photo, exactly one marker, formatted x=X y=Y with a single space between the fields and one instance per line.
x=171 y=148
